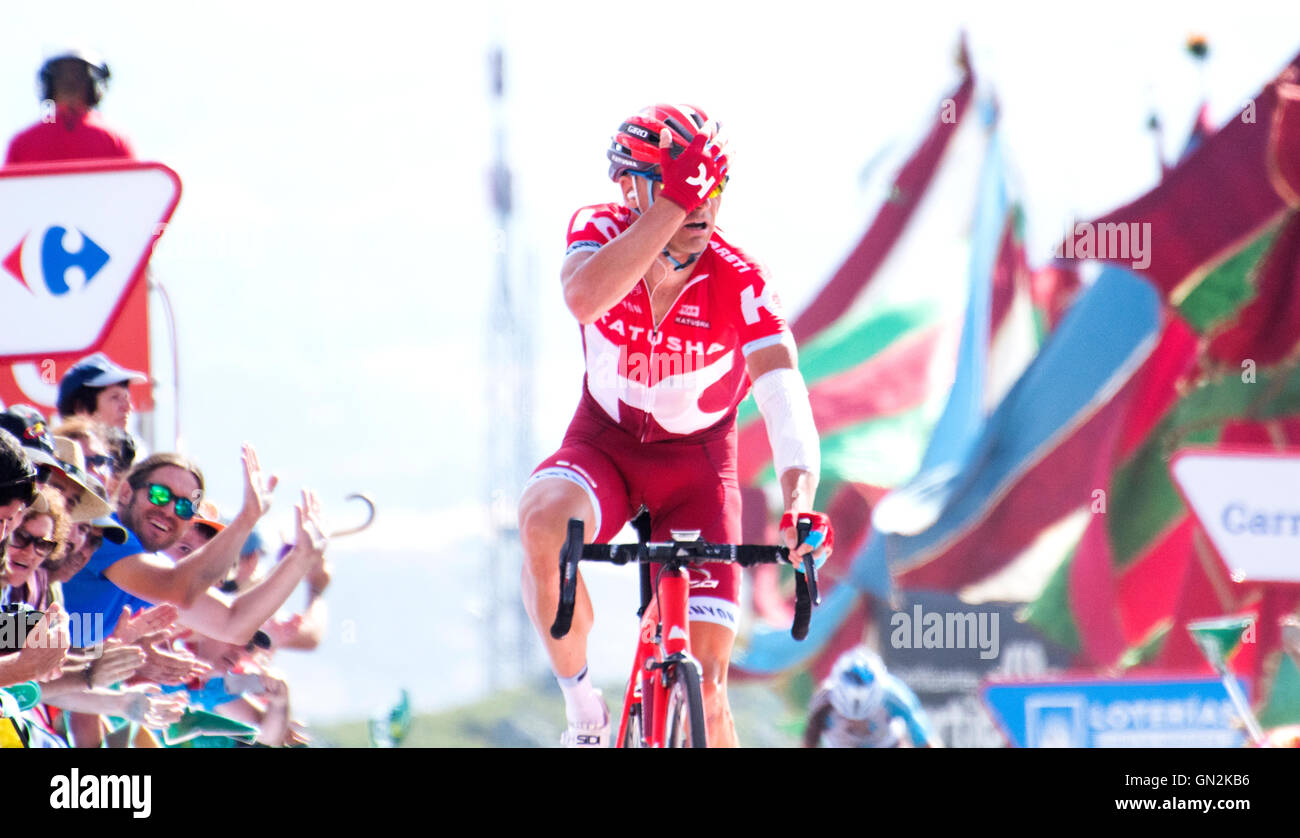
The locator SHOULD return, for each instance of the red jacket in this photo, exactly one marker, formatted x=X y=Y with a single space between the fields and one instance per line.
x=74 y=134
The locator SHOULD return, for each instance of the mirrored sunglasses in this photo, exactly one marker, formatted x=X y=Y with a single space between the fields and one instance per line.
x=160 y=495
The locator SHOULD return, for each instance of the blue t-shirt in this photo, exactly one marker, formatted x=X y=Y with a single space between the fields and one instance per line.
x=211 y=695
x=91 y=593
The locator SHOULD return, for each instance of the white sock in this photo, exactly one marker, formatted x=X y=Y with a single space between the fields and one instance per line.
x=581 y=703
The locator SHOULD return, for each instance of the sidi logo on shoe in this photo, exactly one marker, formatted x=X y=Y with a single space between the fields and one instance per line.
x=93 y=791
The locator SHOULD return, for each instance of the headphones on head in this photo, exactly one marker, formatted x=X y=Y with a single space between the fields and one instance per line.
x=97 y=75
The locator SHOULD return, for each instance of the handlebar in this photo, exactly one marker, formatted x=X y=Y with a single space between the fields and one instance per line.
x=678 y=553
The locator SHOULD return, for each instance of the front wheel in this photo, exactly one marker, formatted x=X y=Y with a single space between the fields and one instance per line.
x=632 y=736
x=685 y=708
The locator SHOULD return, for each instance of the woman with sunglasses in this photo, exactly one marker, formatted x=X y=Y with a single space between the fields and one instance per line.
x=44 y=527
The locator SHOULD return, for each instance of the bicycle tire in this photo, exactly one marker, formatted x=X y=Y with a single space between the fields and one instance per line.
x=685 y=708
x=633 y=736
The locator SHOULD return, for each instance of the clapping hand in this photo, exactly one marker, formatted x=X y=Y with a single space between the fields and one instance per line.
x=117 y=663
x=46 y=646
x=148 y=706
x=147 y=621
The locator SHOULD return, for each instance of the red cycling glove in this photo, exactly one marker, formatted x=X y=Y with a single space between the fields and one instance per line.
x=821 y=535
x=693 y=176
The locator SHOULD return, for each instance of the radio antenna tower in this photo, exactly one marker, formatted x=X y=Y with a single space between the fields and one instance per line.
x=510 y=645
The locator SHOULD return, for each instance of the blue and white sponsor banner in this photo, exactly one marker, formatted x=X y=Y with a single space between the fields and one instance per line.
x=73 y=239
x=1116 y=713
x=1247 y=502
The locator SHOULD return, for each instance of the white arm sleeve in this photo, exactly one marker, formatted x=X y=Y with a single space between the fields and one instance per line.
x=783 y=400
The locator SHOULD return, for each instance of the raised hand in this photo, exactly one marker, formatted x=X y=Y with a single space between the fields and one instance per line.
x=147 y=621
x=257 y=487
x=309 y=531
x=46 y=646
x=117 y=663
x=169 y=666
x=695 y=175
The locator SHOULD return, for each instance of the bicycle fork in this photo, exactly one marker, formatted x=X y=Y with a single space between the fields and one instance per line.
x=656 y=654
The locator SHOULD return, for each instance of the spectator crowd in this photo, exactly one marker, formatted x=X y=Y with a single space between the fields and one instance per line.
x=131 y=613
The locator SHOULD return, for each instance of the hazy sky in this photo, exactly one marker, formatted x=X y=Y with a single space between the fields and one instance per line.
x=330 y=258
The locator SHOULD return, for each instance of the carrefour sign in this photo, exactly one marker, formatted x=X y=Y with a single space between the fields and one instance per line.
x=1248 y=501
x=73 y=238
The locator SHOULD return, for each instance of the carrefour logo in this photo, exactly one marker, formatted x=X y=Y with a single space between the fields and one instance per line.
x=62 y=260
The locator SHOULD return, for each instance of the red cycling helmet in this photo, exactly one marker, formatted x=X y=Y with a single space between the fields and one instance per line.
x=635 y=148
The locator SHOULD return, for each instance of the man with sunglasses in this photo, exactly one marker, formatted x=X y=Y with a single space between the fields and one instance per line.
x=157 y=503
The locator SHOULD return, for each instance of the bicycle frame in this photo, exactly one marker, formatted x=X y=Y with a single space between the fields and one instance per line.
x=664 y=636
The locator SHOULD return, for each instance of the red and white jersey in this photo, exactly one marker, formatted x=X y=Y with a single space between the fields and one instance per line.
x=686 y=374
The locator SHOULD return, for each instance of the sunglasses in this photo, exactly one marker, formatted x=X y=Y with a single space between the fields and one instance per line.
x=160 y=495
x=656 y=178
x=97 y=461
x=42 y=547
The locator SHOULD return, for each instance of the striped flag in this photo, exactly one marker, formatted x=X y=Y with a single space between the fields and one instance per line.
x=927 y=323
x=1224 y=238
x=1226 y=242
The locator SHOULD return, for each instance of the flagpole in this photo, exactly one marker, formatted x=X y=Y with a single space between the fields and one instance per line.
x=158 y=286
x=1158 y=136
x=1242 y=706
x=1211 y=637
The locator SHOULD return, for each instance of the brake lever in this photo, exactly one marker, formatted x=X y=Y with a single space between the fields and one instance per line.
x=804 y=594
x=809 y=566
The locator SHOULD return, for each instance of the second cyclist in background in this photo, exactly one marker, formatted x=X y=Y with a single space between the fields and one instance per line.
x=861 y=705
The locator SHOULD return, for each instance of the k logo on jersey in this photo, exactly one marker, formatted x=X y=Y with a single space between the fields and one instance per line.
x=57 y=261
x=751 y=303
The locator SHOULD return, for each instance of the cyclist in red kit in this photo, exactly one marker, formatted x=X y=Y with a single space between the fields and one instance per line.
x=676 y=323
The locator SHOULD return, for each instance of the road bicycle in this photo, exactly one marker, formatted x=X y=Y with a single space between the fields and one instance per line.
x=663 y=705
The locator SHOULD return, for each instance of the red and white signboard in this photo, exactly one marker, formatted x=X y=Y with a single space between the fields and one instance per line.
x=36 y=382
x=74 y=239
x=1248 y=501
